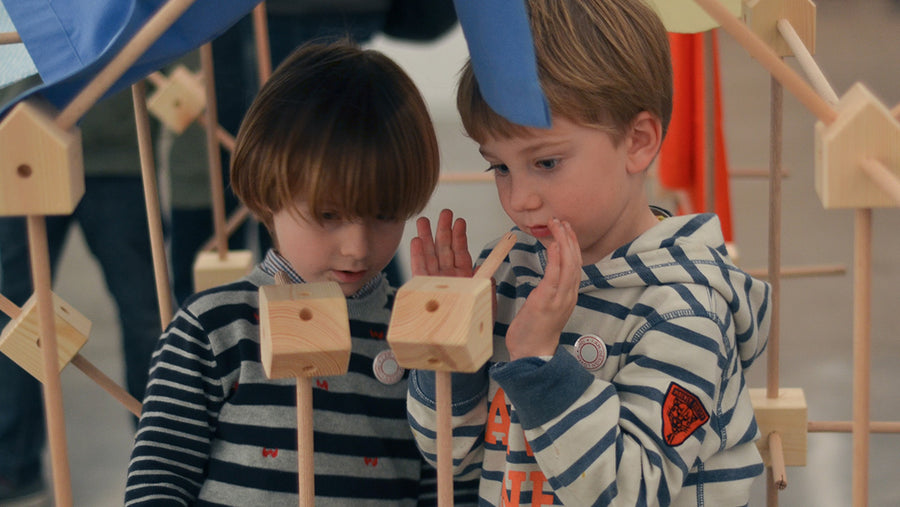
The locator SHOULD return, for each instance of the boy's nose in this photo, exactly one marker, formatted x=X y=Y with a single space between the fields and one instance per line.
x=524 y=195
x=354 y=240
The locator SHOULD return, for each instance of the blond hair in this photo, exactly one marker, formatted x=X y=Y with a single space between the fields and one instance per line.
x=600 y=63
x=338 y=127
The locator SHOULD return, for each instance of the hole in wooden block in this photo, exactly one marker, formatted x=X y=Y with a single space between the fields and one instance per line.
x=24 y=170
x=431 y=306
x=308 y=370
x=433 y=360
x=441 y=286
x=306 y=314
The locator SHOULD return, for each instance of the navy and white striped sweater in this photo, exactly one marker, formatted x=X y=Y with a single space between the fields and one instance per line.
x=215 y=431
x=666 y=420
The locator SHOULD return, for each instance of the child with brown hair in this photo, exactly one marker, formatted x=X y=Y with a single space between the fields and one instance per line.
x=621 y=333
x=335 y=154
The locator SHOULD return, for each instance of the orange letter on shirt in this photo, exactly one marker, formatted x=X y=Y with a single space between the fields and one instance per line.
x=538 y=498
x=498 y=409
x=512 y=499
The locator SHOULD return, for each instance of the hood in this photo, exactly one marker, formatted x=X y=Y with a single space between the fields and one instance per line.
x=691 y=249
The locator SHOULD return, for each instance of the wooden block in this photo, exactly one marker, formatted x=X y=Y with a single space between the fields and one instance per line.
x=41 y=169
x=685 y=16
x=762 y=16
x=304 y=330
x=785 y=414
x=179 y=100
x=211 y=271
x=864 y=128
x=20 y=338
x=442 y=324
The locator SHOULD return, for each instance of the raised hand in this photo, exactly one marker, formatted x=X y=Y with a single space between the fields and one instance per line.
x=446 y=254
x=535 y=330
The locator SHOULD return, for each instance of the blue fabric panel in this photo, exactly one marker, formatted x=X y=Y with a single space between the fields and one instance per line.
x=502 y=52
x=70 y=41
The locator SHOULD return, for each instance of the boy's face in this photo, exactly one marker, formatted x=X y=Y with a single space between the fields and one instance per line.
x=347 y=251
x=574 y=173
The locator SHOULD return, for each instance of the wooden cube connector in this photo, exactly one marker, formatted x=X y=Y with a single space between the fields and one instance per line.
x=762 y=16
x=442 y=324
x=41 y=167
x=785 y=414
x=179 y=100
x=864 y=128
x=304 y=330
x=211 y=271
x=685 y=16
x=20 y=339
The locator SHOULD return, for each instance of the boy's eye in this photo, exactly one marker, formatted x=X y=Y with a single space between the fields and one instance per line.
x=498 y=168
x=329 y=216
x=384 y=217
x=549 y=163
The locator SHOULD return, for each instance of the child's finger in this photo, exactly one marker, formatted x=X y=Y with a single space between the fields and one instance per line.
x=444 y=240
x=462 y=259
x=429 y=259
x=417 y=264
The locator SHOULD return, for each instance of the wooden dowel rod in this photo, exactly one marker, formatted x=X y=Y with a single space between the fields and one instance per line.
x=216 y=185
x=862 y=285
x=495 y=258
x=801 y=271
x=443 y=399
x=847 y=426
x=776 y=460
x=760 y=51
x=776 y=139
x=813 y=72
x=305 y=438
x=888 y=181
x=10 y=38
x=234 y=221
x=53 y=403
x=261 y=35
x=157 y=78
x=142 y=40
x=151 y=201
x=108 y=384
x=9 y=308
x=771 y=489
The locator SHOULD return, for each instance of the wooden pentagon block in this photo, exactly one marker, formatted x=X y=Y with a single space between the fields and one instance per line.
x=41 y=167
x=785 y=414
x=211 y=271
x=304 y=330
x=179 y=100
x=762 y=16
x=685 y=16
x=20 y=338
x=864 y=128
x=442 y=323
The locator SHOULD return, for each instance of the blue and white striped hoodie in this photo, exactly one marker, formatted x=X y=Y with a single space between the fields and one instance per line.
x=666 y=419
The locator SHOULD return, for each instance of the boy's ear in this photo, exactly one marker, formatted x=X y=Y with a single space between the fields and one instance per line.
x=643 y=141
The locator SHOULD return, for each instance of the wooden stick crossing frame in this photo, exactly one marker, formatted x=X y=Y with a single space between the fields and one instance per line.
x=861 y=424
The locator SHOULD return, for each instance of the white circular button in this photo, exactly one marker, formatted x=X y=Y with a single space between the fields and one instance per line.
x=590 y=351
x=386 y=368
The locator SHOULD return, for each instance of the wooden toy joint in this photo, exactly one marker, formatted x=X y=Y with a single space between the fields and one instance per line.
x=783 y=426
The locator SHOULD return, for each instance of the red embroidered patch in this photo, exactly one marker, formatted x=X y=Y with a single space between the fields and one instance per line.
x=269 y=453
x=682 y=414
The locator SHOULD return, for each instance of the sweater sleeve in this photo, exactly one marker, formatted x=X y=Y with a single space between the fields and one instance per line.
x=172 y=444
x=633 y=440
x=469 y=408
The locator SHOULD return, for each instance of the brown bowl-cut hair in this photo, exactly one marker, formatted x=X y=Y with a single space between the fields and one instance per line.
x=600 y=63
x=343 y=129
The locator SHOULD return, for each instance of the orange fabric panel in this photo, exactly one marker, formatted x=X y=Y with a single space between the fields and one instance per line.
x=682 y=161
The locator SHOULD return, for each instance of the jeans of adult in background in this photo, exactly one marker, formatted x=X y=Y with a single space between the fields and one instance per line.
x=113 y=219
